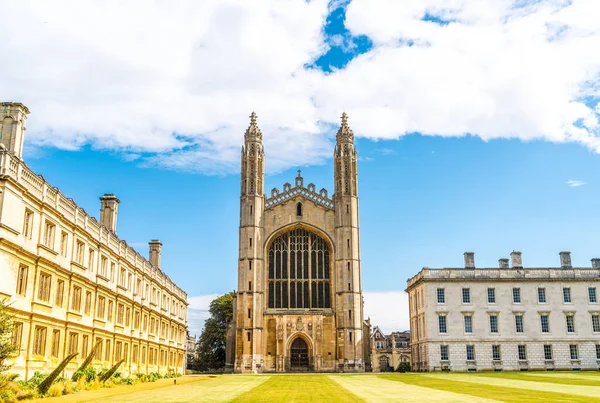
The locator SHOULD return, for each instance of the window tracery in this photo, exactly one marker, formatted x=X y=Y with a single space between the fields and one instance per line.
x=299 y=271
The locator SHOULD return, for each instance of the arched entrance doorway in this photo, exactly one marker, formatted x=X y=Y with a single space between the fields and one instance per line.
x=299 y=355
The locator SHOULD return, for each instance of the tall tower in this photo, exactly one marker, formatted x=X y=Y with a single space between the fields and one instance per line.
x=250 y=294
x=348 y=292
x=12 y=126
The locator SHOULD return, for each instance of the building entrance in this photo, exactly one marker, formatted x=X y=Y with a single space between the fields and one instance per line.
x=299 y=355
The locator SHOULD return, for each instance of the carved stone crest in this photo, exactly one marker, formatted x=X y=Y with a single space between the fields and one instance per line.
x=299 y=324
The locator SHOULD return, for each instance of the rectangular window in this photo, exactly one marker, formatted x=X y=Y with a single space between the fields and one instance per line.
x=107 y=352
x=468 y=319
x=522 y=352
x=127 y=317
x=122 y=277
x=64 y=243
x=88 y=302
x=470 y=353
x=444 y=353
x=143 y=354
x=496 y=353
x=596 y=323
x=55 y=343
x=547 y=351
x=118 y=349
x=519 y=323
x=98 y=355
x=574 y=351
x=84 y=347
x=49 y=230
x=28 y=224
x=109 y=313
x=91 y=255
x=79 y=249
x=39 y=341
x=545 y=322
x=17 y=334
x=441 y=296
x=442 y=324
x=22 y=280
x=76 y=299
x=73 y=342
x=466 y=295
x=567 y=295
x=570 y=324
x=598 y=351
x=134 y=353
x=541 y=295
x=491 y=294
x=100 y=306
x=592 y=295
x=60 y=293
x=44 y=287
x=516 y=295
x=120 y=308
x=493 y=324
x=136 y=320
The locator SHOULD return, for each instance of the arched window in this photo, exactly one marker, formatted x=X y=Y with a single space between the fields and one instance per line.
x=299 y=271
x=299 y=209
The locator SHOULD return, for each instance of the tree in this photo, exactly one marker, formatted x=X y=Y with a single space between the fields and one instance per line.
x=211 y=345
x=7 y=349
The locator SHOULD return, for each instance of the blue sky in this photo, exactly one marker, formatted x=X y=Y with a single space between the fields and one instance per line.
x=475 y=131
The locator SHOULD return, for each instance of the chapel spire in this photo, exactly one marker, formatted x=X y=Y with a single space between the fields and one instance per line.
x=253 y=132
x=344 y=134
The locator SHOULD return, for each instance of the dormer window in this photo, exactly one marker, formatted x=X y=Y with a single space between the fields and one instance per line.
x=299 y=209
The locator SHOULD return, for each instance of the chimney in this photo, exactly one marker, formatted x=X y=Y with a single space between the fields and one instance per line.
x=155 y=249
x=517 y=263
x=469 y=260
x=109 y=204
x=12 y=127
x=503 y=263
x=565 y=260
x=596 y=263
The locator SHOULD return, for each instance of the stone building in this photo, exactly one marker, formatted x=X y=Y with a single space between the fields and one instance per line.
x=505 y=318
x=71 y=283
x=299 y=304
x=388 y=351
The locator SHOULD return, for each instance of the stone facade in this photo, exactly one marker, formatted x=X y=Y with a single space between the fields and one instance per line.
x=388 y=351
x=510 y=319
x=299 y=303
x=72 y=283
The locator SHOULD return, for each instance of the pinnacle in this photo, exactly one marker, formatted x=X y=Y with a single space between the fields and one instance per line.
x=253 y=117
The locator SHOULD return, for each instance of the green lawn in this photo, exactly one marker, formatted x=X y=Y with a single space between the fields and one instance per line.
x=512 y=387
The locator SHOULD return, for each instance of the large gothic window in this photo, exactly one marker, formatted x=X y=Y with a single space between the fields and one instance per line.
x=299 y=271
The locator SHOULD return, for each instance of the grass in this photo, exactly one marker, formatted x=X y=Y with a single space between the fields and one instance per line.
x=510 y=387
x=299 y=388
x=459 y=383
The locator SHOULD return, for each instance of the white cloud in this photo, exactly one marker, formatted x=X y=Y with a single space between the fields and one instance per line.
x=171 y=84
x=387 y=309
x=575 y=184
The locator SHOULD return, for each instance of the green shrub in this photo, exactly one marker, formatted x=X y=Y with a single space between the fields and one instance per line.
x=127 y=381
x=46 y=383
x=90 y=374
x=403 y=367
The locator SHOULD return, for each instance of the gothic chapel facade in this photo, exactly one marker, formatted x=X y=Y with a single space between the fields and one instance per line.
x=299 y=304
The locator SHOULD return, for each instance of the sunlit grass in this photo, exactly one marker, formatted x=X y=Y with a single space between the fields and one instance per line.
x=299 y=388
x=457 y=383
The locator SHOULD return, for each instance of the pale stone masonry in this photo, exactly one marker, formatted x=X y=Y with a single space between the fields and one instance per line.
x=72 y=283
x=505 y=318
x=299 y=304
